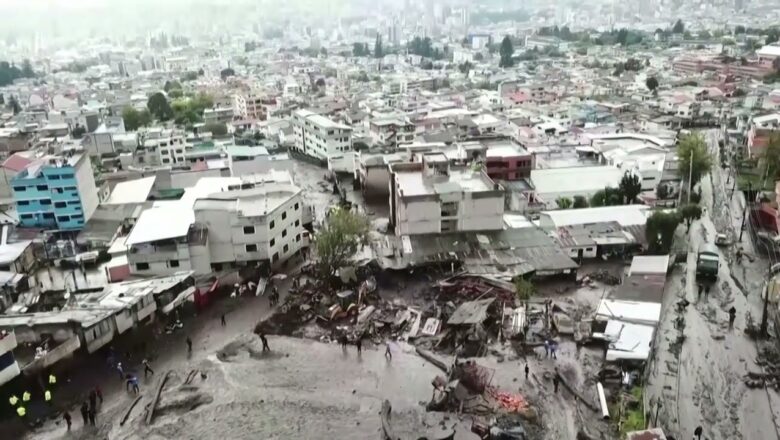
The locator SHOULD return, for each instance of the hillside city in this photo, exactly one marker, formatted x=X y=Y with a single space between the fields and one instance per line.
x=445 y=219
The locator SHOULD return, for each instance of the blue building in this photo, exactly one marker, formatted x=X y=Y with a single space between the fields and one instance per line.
x=55 y=192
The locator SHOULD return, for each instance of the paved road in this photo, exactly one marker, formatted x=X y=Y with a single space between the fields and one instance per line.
x=700 y=381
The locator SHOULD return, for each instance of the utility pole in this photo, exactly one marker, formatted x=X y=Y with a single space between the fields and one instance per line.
x=764 y=314
x=690 y=177
x=744 y=212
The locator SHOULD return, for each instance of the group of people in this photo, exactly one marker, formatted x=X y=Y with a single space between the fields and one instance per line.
x=550 y=348
x=20 y=405
x=89 y=409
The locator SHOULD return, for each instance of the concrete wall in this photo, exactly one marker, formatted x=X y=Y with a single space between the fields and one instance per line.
x=87 y=189
x=418 y=217
x=124 y=320
x=481 y=214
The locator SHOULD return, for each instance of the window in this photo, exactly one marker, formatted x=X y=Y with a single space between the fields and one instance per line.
x=275 y=258
x=67 y=176
x=249 y=230
x=273 y=242
x=271 y=226
x=59 y=204
x=63 y=218
x=251 y=248
x=27 y=216
x=216 y=266
x=297 y=222
x=284 y=233
x=286 y=248
x=46 y=202
x=19 y=188
x=142 y=266
x=173 y=263
x=23 y=203
x=54 y=177
x=284 y=215
x=48 y=215
x=297 y=206
x=41 y=187
x=166 y=161
x=298 y=237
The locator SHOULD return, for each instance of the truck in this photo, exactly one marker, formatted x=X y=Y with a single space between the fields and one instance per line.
x=707 y=262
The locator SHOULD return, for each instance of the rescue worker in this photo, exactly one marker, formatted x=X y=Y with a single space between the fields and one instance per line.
x=47 y=397
x=13 y=400
x=52 y=380
x=732 y=317
x=26 y=396
x=21 y=411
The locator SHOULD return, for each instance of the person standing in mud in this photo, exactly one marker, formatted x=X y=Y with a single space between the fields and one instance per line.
x=527 y=370
x=265 y=341
x=359 y=344
x=732 y=316
x=388 y=353
x=222 y=320
x=93 y=400
x=147 y=368
x=85 y=413
x=92 y=414
x=698 y=432
x=189 y=345
x=67 y=418
x=556 y=381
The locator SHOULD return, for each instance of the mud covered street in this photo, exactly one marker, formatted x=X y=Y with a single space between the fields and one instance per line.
x=700 y=381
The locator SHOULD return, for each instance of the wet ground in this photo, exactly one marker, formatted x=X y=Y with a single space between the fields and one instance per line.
x=700 y=382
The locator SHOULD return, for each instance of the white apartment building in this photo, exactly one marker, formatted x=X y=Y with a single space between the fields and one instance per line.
x=392 y=131
x=162 y=147
x=9 y=368
x=320 y=137
x=218 y=115
x=221 y=222
x=249 y=107
x=430 y=198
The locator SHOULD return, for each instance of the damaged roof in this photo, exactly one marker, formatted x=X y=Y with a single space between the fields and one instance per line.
x=507 y=253
x=472 y=312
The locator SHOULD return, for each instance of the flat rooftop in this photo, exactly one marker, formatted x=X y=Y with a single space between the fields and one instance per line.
x=415 y=183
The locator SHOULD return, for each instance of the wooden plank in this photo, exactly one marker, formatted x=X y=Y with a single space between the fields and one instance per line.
x=129 y=410
x=156 y=398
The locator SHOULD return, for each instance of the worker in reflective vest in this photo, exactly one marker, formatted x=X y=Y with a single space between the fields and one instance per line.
x=47 y=396
x=52 y=379
x=13 y=400
x=26 y=397
x=21 y=411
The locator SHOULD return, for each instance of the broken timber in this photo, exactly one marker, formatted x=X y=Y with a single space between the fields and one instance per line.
x=129 y=410
x=576 y=393
x=156 y=398
x=430 y=357
x=387 y=430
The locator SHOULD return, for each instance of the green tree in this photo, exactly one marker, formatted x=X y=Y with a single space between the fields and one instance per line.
x=580 y=202
x=13 y=104
x=563 y=202
x=770 y=158
x=659 y=231
x=630 y=186
x=226 y=73
x=171 y=85
x=679 y=27
x=689 y=213
x=693 y=158
x=358 y=50
x=27 y=70
x=343 y=234
x=378 y=47
x=78 y=131
x=216 y=129
x=506 y=51
x=607 y=197
x=135 y=119
x=524 y=289
x=652 y=83
x=159 y=107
